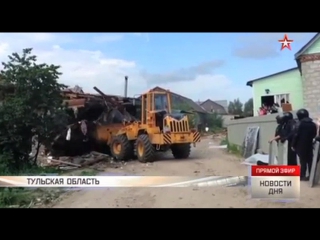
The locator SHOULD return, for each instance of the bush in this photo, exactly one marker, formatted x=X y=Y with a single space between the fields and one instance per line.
x=215 y=121
x=32 y=109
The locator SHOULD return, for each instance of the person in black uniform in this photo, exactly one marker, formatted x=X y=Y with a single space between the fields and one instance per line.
x=278 y=129
x=285 y=132
x=302 y=142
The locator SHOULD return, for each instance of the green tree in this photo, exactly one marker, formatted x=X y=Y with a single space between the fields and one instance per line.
x=248 y=108
x=215 y=121
x=35 y=108
x=235 y=107
x=193 y=118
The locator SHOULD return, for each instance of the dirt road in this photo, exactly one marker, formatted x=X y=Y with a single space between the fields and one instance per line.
x=204 y=161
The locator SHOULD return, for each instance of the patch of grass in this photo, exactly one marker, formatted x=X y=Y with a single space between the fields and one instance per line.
x=28 y=197
x=89 y=172
x=215 y=130
x=232 y=148
x=224 y=142
x=24 y=198
x=32 y=171
x=15 y=197
x=81 y=172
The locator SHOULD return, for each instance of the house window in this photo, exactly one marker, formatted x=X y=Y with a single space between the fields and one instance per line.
x=269 y=100
x=281 y=98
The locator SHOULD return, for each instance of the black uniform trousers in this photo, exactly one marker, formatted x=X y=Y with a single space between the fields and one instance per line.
x=292 y=156
x=305 y=156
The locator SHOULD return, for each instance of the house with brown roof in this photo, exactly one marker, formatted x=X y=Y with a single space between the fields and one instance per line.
x=213 y=107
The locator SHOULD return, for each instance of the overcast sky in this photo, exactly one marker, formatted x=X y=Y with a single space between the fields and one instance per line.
x=196 y=65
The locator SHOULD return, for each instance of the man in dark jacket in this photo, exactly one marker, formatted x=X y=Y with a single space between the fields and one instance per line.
x=302 y=142
x=279 y=127
x=278 y=130
x=285 y=132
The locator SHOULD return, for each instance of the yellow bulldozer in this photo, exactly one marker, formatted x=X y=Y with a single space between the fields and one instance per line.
x=153 y=127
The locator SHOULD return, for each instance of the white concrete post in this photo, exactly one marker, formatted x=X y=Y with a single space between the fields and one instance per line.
x=315 y=169
x=283 y=153
x=272 y=154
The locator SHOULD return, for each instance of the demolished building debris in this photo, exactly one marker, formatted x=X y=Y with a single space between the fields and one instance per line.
x=86 y=111
x=67 y=162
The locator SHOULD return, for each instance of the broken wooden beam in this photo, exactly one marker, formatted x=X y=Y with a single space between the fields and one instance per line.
x=66 y=163
x=93 y=161
x=100 y=154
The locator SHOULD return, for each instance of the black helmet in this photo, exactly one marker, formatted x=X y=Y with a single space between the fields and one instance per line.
x=287 y=116
x=302 y=113
x=278 y=118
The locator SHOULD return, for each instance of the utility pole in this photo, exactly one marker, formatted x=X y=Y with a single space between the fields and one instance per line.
x=126 y=86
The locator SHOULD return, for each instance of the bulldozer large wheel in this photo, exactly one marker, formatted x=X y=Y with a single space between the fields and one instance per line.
x=121 y=148
x=144 y=149
x=180 y=151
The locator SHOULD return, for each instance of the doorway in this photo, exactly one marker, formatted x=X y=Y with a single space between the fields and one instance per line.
x=267 y=101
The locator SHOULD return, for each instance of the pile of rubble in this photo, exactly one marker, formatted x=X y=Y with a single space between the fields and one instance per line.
x=68 y=163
